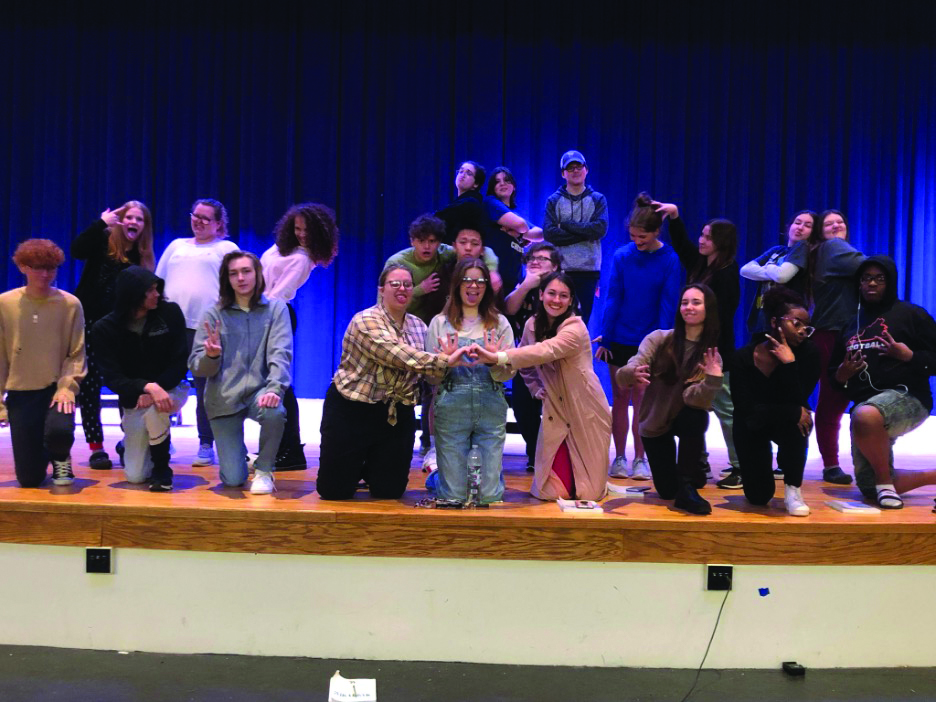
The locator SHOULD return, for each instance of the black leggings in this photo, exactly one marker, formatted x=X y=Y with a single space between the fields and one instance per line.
x=291 y=435
x=755 y=456
x=528 y=412
x=89 y=395
x=668 y=470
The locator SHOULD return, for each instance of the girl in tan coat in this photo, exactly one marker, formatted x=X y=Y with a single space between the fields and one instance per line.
x=575 y=434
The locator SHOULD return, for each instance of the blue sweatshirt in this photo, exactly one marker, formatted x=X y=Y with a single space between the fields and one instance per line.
x=642 y=294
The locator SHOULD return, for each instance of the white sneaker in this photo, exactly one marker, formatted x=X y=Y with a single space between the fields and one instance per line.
x=641 y=469
x=429 y=461
x=262 y=483
x=793 y=499
x=618 y=468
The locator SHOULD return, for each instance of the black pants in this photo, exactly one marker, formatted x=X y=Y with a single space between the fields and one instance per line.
x=89 y=395
x=586 y=282
x=357 y=442
x=205 y=435
x=668 y=470
x=528 y=411
x=38 y=433
x=755 y=456
x=291 y=434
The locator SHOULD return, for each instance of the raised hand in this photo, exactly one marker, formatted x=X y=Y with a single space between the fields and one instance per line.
x=895 y=349
x=493 y=341
x=430 y=284
x=268 y=399
x=110 y=217
x=781 y=349
x=667 y=209
x=213 y=340
x=711 y=363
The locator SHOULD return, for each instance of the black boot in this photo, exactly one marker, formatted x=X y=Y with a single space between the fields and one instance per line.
x=292 y=458
x=161 y=478
x=687 y=498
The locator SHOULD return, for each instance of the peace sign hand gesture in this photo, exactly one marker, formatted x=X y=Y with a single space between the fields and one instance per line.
x=213 y=340
x=781 y=349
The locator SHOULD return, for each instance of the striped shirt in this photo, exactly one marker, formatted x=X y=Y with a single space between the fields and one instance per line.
x=380 y=359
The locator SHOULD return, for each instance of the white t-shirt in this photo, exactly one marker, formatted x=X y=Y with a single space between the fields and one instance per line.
x=284 y=275
x=191 y=272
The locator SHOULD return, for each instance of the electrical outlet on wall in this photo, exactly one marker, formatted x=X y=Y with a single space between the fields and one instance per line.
x=99 y=560
x=718 y=577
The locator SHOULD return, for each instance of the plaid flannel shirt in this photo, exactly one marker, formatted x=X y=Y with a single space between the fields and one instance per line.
x=380 y=359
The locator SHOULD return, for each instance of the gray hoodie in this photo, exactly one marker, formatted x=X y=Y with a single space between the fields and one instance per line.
x=256 y=355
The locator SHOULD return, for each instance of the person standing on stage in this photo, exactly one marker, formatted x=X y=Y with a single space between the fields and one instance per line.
x=642 y=294
x=465 y=211
x=470 y=407
x=771 y=381
x=119 y=238
x=555 y=360
x=42 y=361
x=712 y=262
x=506 y=231
x=883 y=361
x=682 y=370
x=541 y=259
x=770 y=268
x=244 y=350
x=830 y=263
x=576 y=222
x=142 y=352
x=368 y=423
x=306 y=237
x=190 y=267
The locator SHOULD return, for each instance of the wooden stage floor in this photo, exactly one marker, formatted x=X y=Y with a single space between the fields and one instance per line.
x=101 y=508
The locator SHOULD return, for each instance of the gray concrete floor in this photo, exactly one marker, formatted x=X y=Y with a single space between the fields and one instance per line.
x=30 y=673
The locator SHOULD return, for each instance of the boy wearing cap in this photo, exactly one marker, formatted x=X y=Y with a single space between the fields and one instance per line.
x=576 y=222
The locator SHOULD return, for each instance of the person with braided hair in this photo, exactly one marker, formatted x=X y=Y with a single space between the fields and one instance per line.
x=306 y=236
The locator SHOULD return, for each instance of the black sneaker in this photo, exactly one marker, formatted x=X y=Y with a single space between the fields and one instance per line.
x=100 y=460
x=119 y=449
x=160 y=485
x=530 y=468
x=836 y=476
x=62 y=473
x=691 y=501
x=778 y=474
x=732 y=481
x=291 y=459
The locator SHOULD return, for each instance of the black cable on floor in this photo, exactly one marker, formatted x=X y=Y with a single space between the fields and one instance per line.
x=711 y=638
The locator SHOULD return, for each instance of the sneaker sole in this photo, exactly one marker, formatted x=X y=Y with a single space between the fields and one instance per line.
x=260 y=492
x=729 y=487
x=63 y=482
x=205 y=462
x=640 y=477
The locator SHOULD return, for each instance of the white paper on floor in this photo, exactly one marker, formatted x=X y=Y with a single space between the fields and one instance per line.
x=349 y=690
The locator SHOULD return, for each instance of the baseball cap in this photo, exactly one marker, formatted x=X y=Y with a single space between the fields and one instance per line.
x=570 y=156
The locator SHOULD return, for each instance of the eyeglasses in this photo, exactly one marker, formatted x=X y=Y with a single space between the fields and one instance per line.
x=797 y=325
x=201 y=218
x=880 y=279
x=571 y=168
x=540 y=259
x=478 y=282
x=397 y=284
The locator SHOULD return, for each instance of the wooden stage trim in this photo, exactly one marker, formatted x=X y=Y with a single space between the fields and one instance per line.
x=101 y=509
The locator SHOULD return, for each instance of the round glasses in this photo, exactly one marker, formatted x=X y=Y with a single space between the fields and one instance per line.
x=798 y=325
x=397 y=284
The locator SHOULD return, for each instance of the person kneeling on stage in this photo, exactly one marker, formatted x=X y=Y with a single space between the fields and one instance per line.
x=142 y=351
x=368 y=424
x=884 y=361
x=244 y=348
x=42 y=360
x=771 y=381
x=683 y=371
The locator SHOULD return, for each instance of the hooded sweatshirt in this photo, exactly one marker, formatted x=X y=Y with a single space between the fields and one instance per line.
x=130 y=356
x=576 y=224
x=907 y=323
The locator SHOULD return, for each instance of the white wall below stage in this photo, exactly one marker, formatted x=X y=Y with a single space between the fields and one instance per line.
x=522 y=612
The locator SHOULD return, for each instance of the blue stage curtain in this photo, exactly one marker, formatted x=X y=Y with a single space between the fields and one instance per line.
x=742 y=110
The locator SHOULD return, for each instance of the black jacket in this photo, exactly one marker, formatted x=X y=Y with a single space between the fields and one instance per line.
x=907 y=323
x=127 y=360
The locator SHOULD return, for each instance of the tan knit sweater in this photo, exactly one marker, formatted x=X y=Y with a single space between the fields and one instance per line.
x=41 y=343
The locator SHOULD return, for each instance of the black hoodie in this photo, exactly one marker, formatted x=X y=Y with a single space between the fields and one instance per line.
x=128 y=360
x=907 y=323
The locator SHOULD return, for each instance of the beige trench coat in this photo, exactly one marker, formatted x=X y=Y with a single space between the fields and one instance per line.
x=575 y=409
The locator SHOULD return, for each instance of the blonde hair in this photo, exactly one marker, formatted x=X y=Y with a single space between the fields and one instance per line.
x=118 y=245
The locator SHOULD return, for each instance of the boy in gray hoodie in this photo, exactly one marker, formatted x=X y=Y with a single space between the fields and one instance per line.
x=244 y=348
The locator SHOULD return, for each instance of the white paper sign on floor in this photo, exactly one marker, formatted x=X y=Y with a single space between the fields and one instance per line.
x=347 y=690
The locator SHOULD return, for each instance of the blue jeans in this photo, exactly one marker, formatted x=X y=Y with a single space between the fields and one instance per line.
x=470 y=409
x=229 y=439
x=902 y=414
